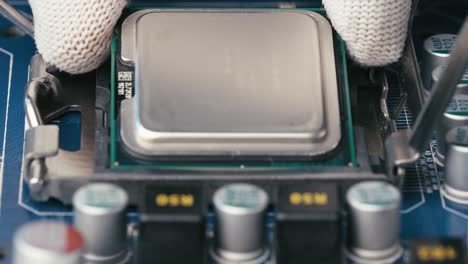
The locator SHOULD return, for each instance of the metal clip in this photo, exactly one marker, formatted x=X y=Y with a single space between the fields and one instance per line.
x=41 y=140
x=379 y=77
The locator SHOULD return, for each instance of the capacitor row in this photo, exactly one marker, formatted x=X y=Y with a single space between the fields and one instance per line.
x=452 y=130
x=99 y=231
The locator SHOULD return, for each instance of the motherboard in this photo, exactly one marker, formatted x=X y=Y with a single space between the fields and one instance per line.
x=232 y=132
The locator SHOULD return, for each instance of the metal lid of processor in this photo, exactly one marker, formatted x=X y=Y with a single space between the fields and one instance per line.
x=238 y=89
x=240 y=199
x=100 y=198
x=373 y=196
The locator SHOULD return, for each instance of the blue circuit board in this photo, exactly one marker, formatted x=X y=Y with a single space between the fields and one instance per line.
x=426 y=214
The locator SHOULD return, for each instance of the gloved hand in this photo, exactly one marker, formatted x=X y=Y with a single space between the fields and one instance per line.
x=75 y=35
x=374 y=30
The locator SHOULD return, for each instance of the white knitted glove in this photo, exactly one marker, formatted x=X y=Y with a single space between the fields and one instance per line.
x=75 y=35
x=374 y=30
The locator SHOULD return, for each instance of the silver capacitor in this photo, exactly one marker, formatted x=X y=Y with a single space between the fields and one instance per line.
x=100 y=215
x=47 y=242
x=462 y=87
x=240 y=234
x=374 y=222
x=437 y=49
x=455 y=186
x=456 y=114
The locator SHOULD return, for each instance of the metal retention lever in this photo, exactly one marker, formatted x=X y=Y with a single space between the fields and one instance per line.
x=51 y=94
x=36 y=147
x=404 y=147
x=16 y=18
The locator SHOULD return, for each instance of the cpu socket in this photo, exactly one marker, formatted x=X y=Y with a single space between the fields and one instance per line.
x=199 y=97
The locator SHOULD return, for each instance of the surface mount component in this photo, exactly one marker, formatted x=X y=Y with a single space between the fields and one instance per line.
x=227 y=83
x=308 y=223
